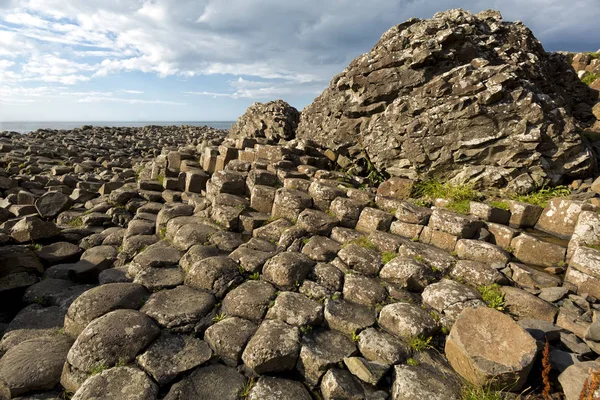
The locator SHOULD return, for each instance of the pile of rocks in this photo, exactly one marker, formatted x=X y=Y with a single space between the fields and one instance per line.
x=237 y=267
x=460 y=96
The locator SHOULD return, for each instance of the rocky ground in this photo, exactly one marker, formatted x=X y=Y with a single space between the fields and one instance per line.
x=272 y=262
x=225 y=268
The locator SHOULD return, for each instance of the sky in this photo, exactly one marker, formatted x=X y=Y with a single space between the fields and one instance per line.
x=208 y=60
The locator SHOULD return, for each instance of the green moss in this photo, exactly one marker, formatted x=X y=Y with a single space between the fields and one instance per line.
x=461 y=207
x=503 y=205
x=305 y=241
x=593 y=246
x=492 y=296
x=595 y=55
x=418 y=258
x=162 y=233
x=460 y=196
x=335 y=296
x=161 y=179
x=355 y=337
x=543 y=195
x=388 y=256
x=589 y=78
x=306 y=329
x=37 y=247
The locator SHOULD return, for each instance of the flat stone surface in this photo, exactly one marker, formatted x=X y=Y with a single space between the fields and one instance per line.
x=35 y=364
x=270 y=388
x=273 y=348
x=296 y=309
x=32 y=322
x=348 y=317
x=214 y=382
x=487 y=347
x=229 y=337
x=180 y=308
x=249 y=300
x=126 y=383
x=406 y=320
x=171 y=355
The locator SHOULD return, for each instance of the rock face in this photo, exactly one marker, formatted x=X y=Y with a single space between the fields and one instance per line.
x=487 y=347
x=460 y=96
x=273 y=120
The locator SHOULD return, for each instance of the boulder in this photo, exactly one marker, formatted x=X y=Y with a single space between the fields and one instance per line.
x=270 y=388
x=574 y=378
x=487 y=348
x=50 y=204
x=229 y=337
x=273 y=348
x=418 y=104
x=214 y=382
x=561 y=215
x=32 y=228
x=273 y=120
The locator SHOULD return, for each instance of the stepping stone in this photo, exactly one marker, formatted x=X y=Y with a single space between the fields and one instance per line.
x=414 y=275
x=99 y=301
x=418 y=382
x=489 y=349
x=249 y=300
x=364 y=290
x=58 y=252
x=32 y=322
x=270 y=388
x=273 y=348
x=341 y=384
x=382 y=347
x=229 y=337
x=35 y=364
x=287 y=269
x=179 y=309
x=321 y=350
x=116 y=337
x=348 y=317
x=171 y=355
x=214 y=382
x=406 y=320
x=367 y=371
x=126 y=383
x=296 y=309
x=215 y=274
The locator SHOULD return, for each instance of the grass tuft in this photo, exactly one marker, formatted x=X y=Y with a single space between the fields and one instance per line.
x=363 y=241
x=412 y=362
x=460 y=196
x=388 y=256
x=219 y=317
x=589 y=78
x=98 y=368
x=420 y=343
x=246 y=389
x=77 y=222
x=492 y=296
x=503 y=205
x=543 y=195
x=255 y=276
x=481 y=393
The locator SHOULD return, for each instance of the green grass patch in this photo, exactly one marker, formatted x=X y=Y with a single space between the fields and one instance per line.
x=420 y=343
x=162 y=233
x=306 y=329
x=595 y=54
x=161 y=179
x=481 y=393
x=363 y=241
x=492 y=296
x=77 y=222
x=254 y=277
x=412 y=362
x=589 y=78
x=543 y=195
x=460 y=196
x=503 y=205
x=593 y=246
x=36 y=247
x=388 y=256
x=355 y=337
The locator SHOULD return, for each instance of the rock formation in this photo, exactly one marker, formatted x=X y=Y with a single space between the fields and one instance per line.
x=273 y=120
x=461 y=96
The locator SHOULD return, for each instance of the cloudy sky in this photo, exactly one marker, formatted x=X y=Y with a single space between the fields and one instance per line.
x=208 y=60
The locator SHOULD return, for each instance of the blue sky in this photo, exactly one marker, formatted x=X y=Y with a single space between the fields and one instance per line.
x=208 y=60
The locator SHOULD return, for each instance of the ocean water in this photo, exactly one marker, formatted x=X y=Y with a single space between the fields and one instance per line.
x=29 y=126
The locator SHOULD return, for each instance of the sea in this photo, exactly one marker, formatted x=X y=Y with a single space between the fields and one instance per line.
x=29 y=126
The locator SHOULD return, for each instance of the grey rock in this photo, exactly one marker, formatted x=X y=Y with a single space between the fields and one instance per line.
x=214 y=382
x=273 y=348
x=270 y=388
x=124 y=383
x=229 y=337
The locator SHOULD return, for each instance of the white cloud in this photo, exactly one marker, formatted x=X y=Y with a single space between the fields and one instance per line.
x=132 y=91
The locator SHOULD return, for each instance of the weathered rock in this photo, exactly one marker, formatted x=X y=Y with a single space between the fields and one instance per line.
x=249 y=300
x=487 y=347
x=406 y=320
x=341 y=384
x=348 y=317
x=451 y=298
x=525 y=305
x=296 y=309
x=229 y=337
x=32 y=228
x=270 y=388
x=214 y=382
x=364 y=290
x=531 y=250
x=273 y=120
x=476 y=250
x=125 y=383
x=288 y=269
x=367 y=371
x=390 y=98
x=586 y=232
x=382 y=347
x=58 y=252
x=476 y=274
x=171 y=355
x=51 y=204
x=32 y=322
x=560 y=217
x=321 y=350
x=217 y=274
x=99 y=301
x=361 y=259
x=573 y=379
x=35 y=364
x=418 y=382
x=115 y=337
x=584 y=271
x=273 y=348
x=180 y=308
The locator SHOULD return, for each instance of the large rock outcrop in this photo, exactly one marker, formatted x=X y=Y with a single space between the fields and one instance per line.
x=273 y=120
x=462 y=96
